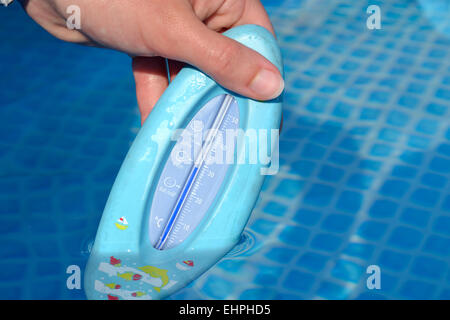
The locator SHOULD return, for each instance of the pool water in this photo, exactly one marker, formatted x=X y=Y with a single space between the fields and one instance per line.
x=365 y=158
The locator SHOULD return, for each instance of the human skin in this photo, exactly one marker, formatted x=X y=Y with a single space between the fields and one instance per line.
x=183 y=31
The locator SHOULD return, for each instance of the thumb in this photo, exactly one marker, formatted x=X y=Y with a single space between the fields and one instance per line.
x=233 y=65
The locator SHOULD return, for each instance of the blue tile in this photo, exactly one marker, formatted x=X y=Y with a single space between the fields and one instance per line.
x=350 y=144
x=437 y=245
x=326 y=242
x=299 y=281
x=440 y=164
x=341 y=158
x=427 y=126
x=370 y=296
x=442 y=225
x=347 y=271
x=9 y=206
x=415 y=217
x=418 y=142
x=337 y=223
x=445 y=294
x=329 y=173
x=394 y=188
x=380 y=150
x=408 y=101
x=372 y=230
x=342 y=110
x=14 y=250
x=330 y=290
x=313 y=151
x=303 y=168
x=258 y=294
x=379 y=96
x=369 y=114
x=436 y=109
x=307 y=217
x=405 y=238
x=405 y=172
x=287 y=296
x=417 y=290
x=349 y=201
x=267 y=275
x=13 y=271
x=427 y=267
x=317 y=104
x=323 y=137
x=389 y=135
x=281 y=254
x=371 y=165
x=263 y=226
x=433 y=180
x=397 y=118
x=296 y=236
x=359 y=250
x=319 y=195
x=443 y=94
x=383 y=209
x=446 y=203
x=217 y=287
x=425 y=197
x=289 y=188
x=412 y=157
x=444 y=149
x=231 y=265
x=360 y=181
x=313 y=262
x=275 y=208
x=394 y=260
x=44 y=290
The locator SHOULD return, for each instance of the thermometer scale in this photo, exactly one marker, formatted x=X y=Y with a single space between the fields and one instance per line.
x=190 y=206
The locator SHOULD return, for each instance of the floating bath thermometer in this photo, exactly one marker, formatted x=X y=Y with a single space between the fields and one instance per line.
x=187 y=186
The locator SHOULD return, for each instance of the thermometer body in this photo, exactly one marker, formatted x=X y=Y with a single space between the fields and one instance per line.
x=187 y=187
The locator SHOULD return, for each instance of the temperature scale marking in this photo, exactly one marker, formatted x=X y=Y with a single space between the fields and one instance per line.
x=193 y=183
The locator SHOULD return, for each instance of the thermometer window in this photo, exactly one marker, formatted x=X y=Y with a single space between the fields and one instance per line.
x=194 y=172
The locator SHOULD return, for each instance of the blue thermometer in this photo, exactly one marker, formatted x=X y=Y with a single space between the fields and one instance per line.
x=188 y=185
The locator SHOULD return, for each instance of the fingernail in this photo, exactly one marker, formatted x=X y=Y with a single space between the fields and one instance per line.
x=267 y=84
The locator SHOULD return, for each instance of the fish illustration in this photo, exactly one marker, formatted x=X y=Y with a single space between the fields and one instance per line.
x=110 y=297
x=126 y=275
x=129 y=276
x=138 y=294
x=113 y=286
x=115 y=262
x=156 y=273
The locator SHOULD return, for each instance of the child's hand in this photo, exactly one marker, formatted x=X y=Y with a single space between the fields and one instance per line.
x=181 y=30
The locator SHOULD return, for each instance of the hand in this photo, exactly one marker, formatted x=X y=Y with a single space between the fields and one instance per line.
x=184 y=31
